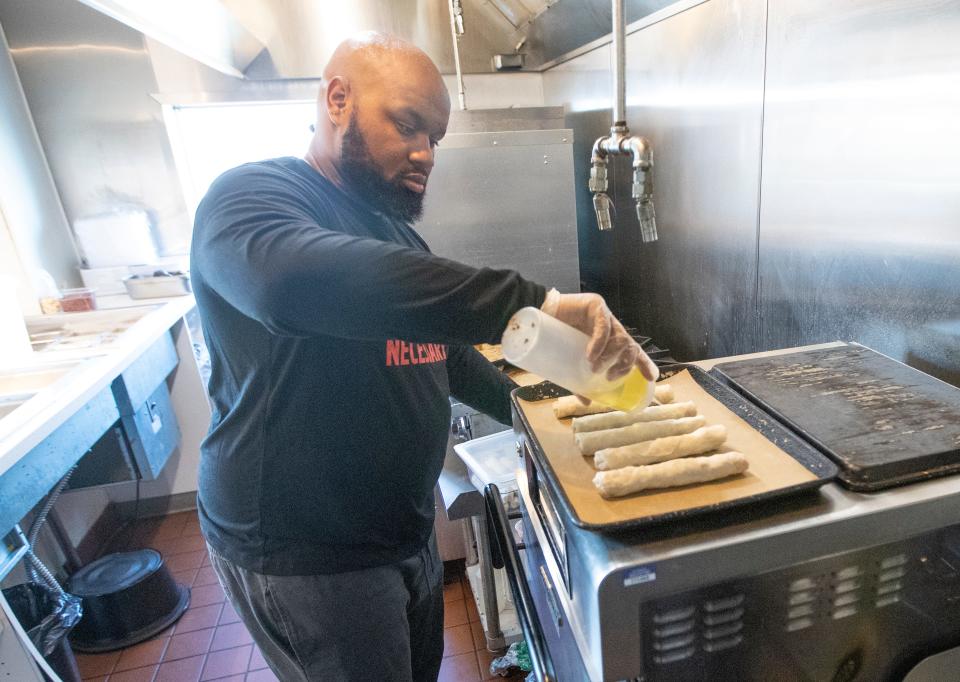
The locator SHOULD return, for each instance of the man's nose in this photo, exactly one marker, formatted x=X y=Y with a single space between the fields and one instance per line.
x=422 y=154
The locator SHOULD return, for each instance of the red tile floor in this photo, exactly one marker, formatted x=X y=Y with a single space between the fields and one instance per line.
x=210 y=643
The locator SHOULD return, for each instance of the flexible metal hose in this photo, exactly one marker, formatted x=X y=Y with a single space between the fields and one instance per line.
x=36 y=569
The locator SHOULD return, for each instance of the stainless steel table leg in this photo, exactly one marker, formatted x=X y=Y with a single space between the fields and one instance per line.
x=488 y=597
x=470 y=543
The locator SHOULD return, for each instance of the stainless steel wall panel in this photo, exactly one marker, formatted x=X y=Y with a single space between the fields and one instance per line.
x=860 y=217
x=583 y=87
x=855 y=232
x=29 y=203
x=695 y=89
x=87 y=79
x=505 y=200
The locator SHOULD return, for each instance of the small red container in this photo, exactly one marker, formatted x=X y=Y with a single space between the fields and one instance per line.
x=78 y=300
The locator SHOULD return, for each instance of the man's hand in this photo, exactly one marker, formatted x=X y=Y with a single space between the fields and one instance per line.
x=610 y=346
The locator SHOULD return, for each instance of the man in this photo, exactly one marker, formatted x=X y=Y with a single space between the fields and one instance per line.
x=336 y=338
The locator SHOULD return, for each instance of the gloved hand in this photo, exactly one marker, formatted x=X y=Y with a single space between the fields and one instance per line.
x=610 y=344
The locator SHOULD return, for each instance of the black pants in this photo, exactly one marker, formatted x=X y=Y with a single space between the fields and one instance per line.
x=379 y=624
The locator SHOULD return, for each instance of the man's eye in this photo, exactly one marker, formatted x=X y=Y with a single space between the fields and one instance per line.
x=434 y=143
x=404 y=129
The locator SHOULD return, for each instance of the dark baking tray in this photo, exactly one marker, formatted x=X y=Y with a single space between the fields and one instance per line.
x=908 y=431
x=809 y=457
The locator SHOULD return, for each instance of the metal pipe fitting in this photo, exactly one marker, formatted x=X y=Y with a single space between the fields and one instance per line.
x=642 y=190
x=598 y=168
x=601 y=206
x=598 y=184
x=619 y=71
x=647 y=217
x=621 y=142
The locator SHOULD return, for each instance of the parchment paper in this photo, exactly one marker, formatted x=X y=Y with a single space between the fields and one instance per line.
x=770 y=467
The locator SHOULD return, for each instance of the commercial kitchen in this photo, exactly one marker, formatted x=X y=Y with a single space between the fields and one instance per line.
x=764 y=192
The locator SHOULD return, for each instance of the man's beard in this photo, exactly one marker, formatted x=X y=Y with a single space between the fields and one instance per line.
x=366 y=178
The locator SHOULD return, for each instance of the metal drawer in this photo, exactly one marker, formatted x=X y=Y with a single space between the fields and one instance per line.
x=152 y=432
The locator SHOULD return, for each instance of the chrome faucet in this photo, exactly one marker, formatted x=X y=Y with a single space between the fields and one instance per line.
x=620 y=141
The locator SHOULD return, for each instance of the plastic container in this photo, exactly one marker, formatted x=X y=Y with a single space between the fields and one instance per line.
x=157 y=286
x=47 y=293
x=493 y=459
x=549 y=348
x=78 y=300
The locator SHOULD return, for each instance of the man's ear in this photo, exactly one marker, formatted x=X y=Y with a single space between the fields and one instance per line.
x=336 y=99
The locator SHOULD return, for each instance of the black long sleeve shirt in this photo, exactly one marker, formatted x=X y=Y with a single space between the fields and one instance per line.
x=335 y=339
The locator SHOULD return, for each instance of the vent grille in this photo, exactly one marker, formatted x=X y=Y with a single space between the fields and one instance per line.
x=674 y=634
x=890 y=578
x=715 y=625
x=723 y=623
x=802 y=603
x=844 y=593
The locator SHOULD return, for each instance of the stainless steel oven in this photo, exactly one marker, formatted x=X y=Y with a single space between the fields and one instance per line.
x=834 y=584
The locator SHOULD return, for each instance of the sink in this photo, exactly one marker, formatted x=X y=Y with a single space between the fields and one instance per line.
x=76 y=335
x=17 y=387
x=20 y=385
x=60 y=342
x=8 y=407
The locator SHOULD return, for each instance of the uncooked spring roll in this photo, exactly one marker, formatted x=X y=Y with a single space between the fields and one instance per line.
x=570 y=405
x=662 y=449
x=616 y=420
x=627 y=480
x=592 y=441
x=663 y=393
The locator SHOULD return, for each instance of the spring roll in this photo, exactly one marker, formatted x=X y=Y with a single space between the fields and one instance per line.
x=591 y=441
x=616 y=420
x=570 y=405
x=663 y=393
x=627 y=480
x=662 y=449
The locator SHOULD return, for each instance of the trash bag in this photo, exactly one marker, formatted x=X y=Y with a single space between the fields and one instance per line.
x=516 y=659
x=47 y=618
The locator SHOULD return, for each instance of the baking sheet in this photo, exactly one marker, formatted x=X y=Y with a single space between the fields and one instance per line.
x=883 y=422
x=772 y=470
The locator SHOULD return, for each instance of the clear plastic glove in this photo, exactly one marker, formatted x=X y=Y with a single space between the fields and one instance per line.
x=610 y=345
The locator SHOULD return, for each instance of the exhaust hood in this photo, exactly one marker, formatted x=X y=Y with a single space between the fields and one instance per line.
x=293 y=39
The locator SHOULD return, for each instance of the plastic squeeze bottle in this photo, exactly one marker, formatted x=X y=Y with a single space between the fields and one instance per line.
x=554 y=350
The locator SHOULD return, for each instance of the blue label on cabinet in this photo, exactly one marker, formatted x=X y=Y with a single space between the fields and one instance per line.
x=640 y=574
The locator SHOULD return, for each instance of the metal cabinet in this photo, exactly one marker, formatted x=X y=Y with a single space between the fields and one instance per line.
x=135 y=438
x=146 y=413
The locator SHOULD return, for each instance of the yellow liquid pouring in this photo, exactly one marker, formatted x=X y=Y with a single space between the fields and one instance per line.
x=627 y=395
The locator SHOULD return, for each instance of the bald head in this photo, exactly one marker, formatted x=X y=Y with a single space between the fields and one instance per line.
x=383 y=108
x=369 y=58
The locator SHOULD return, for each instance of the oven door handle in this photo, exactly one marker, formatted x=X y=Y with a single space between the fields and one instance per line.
x=505 y=555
